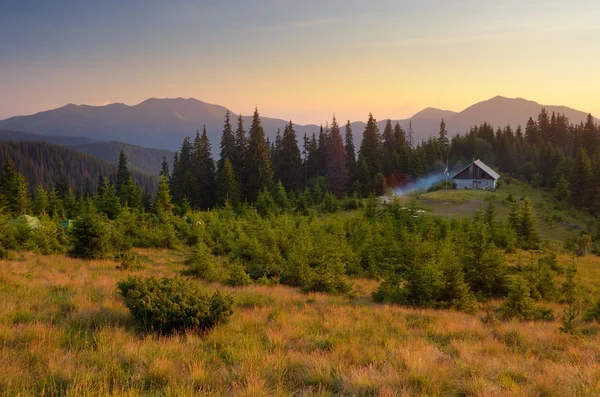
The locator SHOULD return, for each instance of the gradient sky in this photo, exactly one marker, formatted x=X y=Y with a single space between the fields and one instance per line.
x=302 y=60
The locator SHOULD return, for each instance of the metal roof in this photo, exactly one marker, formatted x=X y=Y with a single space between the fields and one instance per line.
x=484 y=167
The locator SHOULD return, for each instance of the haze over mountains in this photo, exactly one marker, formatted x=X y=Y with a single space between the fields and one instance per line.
x=163 y=123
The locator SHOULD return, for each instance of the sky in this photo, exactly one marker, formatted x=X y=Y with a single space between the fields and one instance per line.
x=300 y=60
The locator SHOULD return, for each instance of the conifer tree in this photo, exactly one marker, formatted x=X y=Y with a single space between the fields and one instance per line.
x=582 y=180
x=162 y=202
x=443 y=139
x=70 y=204
x=259 y=172
x=182 y=180
x=130 y=194
x=204 y=173
x=280 y=197
x=55 y=205
x=290 y=161
x=350 y=152
x=370 y=147
x=526 y=230
x=228 y=189
x=164 y=171
x=123 y=173
x=238 y=158
x=312 y=154
x=108 y=202
x=337 y=172
x=22 y=203
x=228 y=144
x=562 y=192
x=8 y=183
x=389 y=149
x=571 y=298
x=321 y=159
x=40 y=203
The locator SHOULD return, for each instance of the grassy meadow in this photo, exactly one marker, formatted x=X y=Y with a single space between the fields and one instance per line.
x=65 y=331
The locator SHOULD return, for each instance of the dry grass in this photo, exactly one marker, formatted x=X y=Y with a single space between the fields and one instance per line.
x=64 y=331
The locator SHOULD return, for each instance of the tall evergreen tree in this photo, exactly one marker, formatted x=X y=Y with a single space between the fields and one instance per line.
x=290 y=161
x=164 y=171
x=238 y=158
x=60 y=181
x=336 y=161
x=259 y=172
x=123 y=173
x=228 y=189
x=162 y=202
x=204 y=173
x=443 y=139
x=228 y=144
x=370 y=147
x=350 y=151
x=40 y=203
x=388 y=160
x=582 y=180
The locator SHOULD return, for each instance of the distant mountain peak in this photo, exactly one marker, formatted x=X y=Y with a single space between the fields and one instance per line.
x=431 y=112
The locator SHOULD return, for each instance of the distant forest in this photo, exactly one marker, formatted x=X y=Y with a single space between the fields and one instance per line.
x=45 y=163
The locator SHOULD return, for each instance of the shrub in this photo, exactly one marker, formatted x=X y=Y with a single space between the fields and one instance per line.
x=238 y=276
x=330 y=203
x=173 y=305
x=90 y=235
x=521 y=306
x=201 y=263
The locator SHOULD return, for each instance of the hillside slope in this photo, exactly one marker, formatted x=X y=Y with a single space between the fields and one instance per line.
x=38 y=162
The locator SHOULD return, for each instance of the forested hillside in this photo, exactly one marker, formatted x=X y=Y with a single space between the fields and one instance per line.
x=145 y=159
x=44 y=163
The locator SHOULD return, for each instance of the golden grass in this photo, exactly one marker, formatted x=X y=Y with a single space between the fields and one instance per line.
x=64 y=331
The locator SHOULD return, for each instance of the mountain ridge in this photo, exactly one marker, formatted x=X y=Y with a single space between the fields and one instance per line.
x=163 y=122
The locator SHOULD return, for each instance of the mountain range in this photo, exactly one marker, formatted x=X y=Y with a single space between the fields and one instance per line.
x=163 y=123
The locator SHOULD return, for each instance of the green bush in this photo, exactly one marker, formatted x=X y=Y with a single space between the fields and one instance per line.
x=521 y=306
x=238 y=276
x=90 y=235
x=173 y=305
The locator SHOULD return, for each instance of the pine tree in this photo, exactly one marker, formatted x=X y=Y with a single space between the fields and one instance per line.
x=238 y=158
x=70 y=204
x=526 y=230
x=130 y=194
x=123 y=173
x=205 y=193
x=164 y=171
x=350 y=152
x=108 y=202
x=55 y=205
x=321 y=159
x=40 y=203
x=22 y=204
x=228 y=144
x=228 y=189
x=443 y=139
x=389 y=148
x=162 y=202
x=370 y=147
x=562 y=192
x=280 y=197
x=290 y=161
x=259 y=172
x=571 y=297
x=582 y=180
x=337 y=172
x=182 y=180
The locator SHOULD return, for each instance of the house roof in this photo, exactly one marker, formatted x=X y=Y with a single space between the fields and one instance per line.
x=484 y=167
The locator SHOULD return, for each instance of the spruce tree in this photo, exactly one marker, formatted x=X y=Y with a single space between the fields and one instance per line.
x=55 y=205
x=443 y=139
x=162 y=202
x=582 y=180
x=228 y=143
x=562 y=192
x=526 y=230
x=22 y=204
x=290 y=161
x=228 y=189
x=60 y=181
x=350 y=152
x=40 y=203
x=238 y=158
x=204 y=174
x=370 y=147
x=258 y=166
x=164 y=171
x=123 y=173
x=571 y=297
x=337 y=171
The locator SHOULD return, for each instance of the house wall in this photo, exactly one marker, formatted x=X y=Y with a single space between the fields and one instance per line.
x=481 y=183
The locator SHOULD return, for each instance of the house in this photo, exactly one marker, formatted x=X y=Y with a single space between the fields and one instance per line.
x=476 y=175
